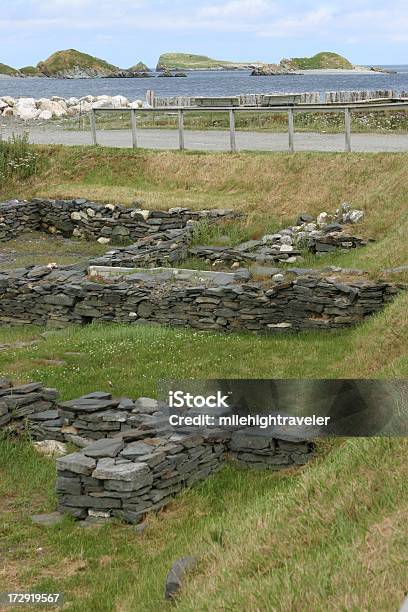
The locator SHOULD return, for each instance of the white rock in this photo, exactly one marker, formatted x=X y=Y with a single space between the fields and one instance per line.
x=271 y=238
x=25 y=108
x=103 y=240
x=50 y=448
x=90 y=212
x=110 y=206
x=119 y=102
x=3 y=105
x=45 y=114
x=9 y=100
x=136 y=104
x=279 y=325
x=286 y=248
x=88 y=99
x=278 y=278
x=72 y=102
x=322 y=219
x=286 y=239
x=76 y=216
x=77 y=232
x=103 y=102
x=8 y=112
x=355 y=216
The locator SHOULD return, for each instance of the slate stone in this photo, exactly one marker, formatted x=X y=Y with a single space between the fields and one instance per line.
x=48 y=520
x=77 y=463
x=177 y=575
x=136 y=449
x=126 y=471
x=106 y=447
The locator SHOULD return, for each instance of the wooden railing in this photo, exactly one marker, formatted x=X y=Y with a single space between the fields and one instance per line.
x=347 y=110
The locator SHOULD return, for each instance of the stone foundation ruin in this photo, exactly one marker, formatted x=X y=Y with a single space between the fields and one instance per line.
x=130 y=461
x=122 y=287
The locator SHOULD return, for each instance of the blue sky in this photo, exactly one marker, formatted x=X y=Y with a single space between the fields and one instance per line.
x=126 y=31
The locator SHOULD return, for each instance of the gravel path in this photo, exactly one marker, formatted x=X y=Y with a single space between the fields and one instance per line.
x=218 y=140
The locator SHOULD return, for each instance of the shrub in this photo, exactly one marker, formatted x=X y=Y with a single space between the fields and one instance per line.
x=18 y=160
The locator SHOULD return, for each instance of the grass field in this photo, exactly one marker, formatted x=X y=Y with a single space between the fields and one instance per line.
x=330 y=536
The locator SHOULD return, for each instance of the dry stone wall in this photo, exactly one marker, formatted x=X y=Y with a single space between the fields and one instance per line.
x=40 y=295
x=130 y=460
x=104 y=222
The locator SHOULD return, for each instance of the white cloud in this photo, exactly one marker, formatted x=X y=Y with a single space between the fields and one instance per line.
x=338 y=21
x=236 y=8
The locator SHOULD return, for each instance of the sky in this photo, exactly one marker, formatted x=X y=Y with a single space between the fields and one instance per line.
x=126 y=31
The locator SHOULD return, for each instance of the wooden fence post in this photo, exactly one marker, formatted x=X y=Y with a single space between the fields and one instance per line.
x=291 y=128
x=134 y=133
x=233 y=144
x=181 y=129
x=347 y=124
x=93 y=126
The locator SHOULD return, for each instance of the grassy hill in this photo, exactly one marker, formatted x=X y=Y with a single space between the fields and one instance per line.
x=31 y=71
x=140 y=67
x=66 y=62
x=325 y=59
x=189 y=61
x=8 y=70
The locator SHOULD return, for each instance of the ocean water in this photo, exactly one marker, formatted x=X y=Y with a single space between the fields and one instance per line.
x=205 y=83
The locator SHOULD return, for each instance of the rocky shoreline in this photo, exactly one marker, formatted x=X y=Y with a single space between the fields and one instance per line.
x=56 y=107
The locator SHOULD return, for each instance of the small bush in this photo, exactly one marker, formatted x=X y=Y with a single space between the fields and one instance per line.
x=18 y=160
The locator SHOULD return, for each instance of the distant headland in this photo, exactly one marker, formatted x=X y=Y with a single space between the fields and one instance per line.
x=73 y=64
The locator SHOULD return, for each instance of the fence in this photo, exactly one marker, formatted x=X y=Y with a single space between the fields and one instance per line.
x=330 y=97
x=291 y=110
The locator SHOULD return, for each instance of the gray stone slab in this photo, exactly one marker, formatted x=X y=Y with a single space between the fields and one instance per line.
x=106 y=447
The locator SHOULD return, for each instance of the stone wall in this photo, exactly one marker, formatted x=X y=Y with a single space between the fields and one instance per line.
x=40 y=295
x=20 y=404
x=18 y=217
x=131 y=462
x=103 y=222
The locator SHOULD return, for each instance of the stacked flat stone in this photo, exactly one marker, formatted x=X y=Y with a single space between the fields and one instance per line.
x=30 y=405
x=93 y=221
x=17 y=217
x=260 y=449
x=58 y=297
x=163 y=248
x=98 y=415
x=129 y=476
x=325 y=234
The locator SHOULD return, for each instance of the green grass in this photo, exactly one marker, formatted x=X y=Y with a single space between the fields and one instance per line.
x=8 y=70
x=378 y=122
x=132 y=359
x=330 y=536
x=313 y=539
x=189 y=61
x=37 y=248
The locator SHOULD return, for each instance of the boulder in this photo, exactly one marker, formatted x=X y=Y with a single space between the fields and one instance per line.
x=45 y=114
x=9 y=100
x=120 y=102
x=25 y=108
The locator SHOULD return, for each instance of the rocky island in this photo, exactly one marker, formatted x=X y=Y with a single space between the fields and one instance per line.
x=326 y=60
x=189 y=61
x=73 y=64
